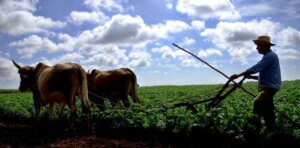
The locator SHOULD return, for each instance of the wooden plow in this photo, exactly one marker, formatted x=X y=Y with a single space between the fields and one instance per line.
x=214 y=101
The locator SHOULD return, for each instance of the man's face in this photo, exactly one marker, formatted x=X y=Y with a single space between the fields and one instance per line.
x=262 y=48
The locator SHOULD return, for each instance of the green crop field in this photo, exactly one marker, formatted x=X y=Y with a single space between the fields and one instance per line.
x=157 y=111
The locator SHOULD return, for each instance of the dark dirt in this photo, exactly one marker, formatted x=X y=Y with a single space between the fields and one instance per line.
x=15 y=132
x=22 y=134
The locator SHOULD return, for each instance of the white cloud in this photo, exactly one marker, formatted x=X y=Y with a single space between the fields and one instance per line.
x=236 y=37
x=189 y=62
x=289 y=37
x=139 y=58
x=288 y=54
x=68 y=57
x=7 y=70
x=221 y=9
x=199 y=25
x=107 y=56
x=188 y=41
x=17 y=18
x=169 y=4
x=16 y=5
x=162 y=30
x=34 y=44
x=21 y=22
x=209 y=52
x=129 y=30
x=168 y=53
x=102 y=59
x=79 y=17
x=111 y=5
x=121 y=29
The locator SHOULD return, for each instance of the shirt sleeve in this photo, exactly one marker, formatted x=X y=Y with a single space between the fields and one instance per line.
x=263 y=63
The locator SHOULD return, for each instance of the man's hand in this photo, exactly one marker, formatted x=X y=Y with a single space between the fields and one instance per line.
x=234 y=76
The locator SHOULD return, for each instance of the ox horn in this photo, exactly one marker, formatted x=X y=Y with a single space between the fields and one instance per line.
x=17 y=65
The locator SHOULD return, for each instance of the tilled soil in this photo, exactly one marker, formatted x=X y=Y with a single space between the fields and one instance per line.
x=15 y=132
x=22 y=135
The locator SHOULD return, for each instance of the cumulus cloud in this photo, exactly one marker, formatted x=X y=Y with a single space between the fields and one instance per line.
x=289 y=37
x=236 y=37
x=110 y=5
x=7 y=70
x=80 y=17
x=169 y=4
x=288 y=54
x=139 y=58
x=15 y=5
x=107 y=56
x=209 y=52
x=168 y=53
x=33 y=44
x=163 y=30
x=17 y=18
x=199 y=25
x=121 y=29
x=129 y=30
x=188 y=41
x=221 y=9
x=68 y=57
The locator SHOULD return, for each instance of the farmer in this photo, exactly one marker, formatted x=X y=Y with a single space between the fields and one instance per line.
x=269 y=81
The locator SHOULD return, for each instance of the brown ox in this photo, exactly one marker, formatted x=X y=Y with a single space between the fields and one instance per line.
x=114 y=84
x=57 y=84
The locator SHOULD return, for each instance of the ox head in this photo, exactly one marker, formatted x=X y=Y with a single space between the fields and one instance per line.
x=27 y=75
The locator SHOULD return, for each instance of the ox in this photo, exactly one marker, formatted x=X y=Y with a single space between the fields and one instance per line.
x=57 y=84
x=114 y=85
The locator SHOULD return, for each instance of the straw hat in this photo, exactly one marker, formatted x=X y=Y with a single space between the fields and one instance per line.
x=263 y=40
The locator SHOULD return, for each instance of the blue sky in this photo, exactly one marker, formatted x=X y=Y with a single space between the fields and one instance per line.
x=109 y=34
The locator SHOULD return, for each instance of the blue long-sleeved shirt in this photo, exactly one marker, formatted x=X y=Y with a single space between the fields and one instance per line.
x=269 y=71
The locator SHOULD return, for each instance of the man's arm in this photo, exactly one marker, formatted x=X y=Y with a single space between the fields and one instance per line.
x=253 y=77
x=246 y=74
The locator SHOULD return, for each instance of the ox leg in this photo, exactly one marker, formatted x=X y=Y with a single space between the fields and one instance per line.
x=73 y=116
x=125 y=101
x=37 y=114
x=37 y=106
x=62 y=109
x=50 y=112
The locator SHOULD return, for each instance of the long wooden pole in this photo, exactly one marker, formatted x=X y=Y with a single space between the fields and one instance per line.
x=213 y=69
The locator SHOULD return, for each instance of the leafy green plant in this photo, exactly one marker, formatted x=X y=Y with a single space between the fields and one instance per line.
x=157 y=110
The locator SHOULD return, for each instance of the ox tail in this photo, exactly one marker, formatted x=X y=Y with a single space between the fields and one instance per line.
x=134 y=87
x=83 y=89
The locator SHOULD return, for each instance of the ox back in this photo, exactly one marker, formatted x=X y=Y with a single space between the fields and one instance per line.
x=60 y=78
x=115 y=85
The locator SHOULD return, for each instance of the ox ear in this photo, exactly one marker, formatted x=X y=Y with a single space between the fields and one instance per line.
x=17 y=65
